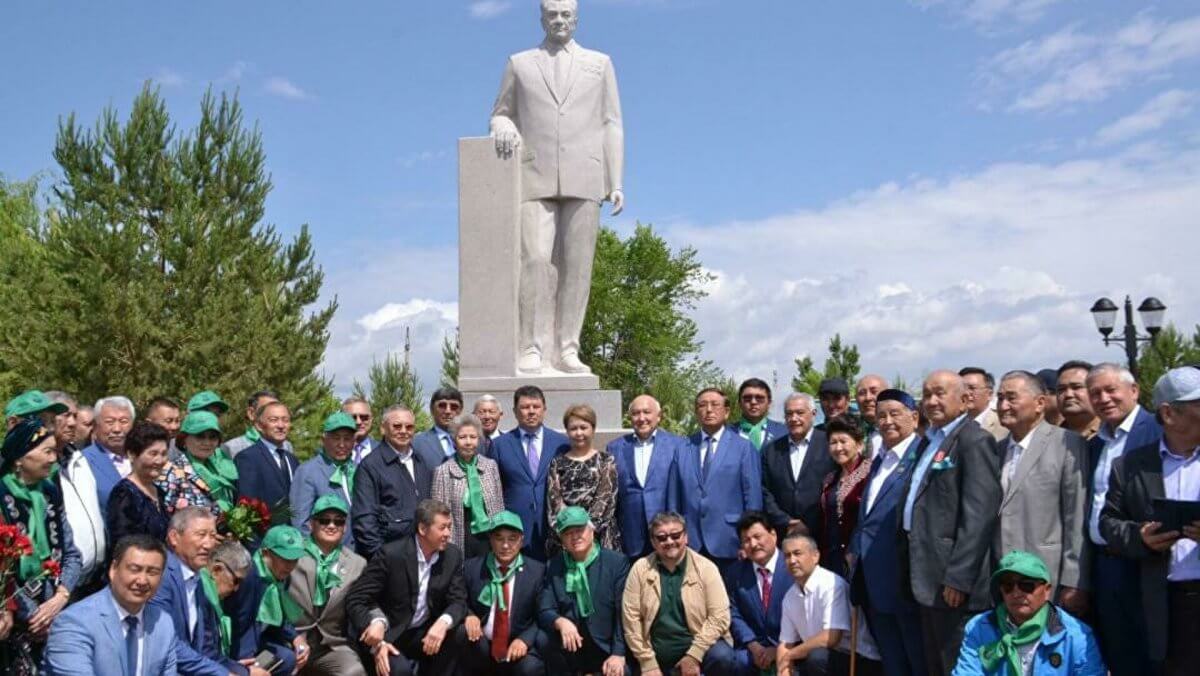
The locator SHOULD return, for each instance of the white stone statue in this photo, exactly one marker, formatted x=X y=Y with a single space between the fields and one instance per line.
x=558 y=112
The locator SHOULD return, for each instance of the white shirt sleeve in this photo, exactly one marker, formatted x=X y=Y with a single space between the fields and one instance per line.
x=787 y=625
x=837 y=607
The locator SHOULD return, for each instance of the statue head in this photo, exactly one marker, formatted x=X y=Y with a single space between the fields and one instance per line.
x=560 y=18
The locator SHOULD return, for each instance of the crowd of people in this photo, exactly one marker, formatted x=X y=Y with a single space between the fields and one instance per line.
x=1042 y=524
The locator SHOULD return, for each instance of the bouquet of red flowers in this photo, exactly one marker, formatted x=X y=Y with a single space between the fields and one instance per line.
x=249 y=518
x=15 y=545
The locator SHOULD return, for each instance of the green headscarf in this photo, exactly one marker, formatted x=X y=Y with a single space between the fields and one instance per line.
x=327 y=577
x=754 y=432
x=224 y=624
x=35 y=527
x=577 y=580
x=473 y=498
x=494 y=590
x=1004 y=650
x=221 y=475
x=276 y=607
x=343 y=473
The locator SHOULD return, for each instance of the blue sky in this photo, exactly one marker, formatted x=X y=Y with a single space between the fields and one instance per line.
x=942 y=181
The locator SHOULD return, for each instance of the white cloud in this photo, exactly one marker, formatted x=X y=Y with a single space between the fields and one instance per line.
x=401 y=314
x=168 y=78
x=234 y=73
x=1070 y=67
x=487 y=9
x=986 y=13
x=1167 y=106
x=281 y=86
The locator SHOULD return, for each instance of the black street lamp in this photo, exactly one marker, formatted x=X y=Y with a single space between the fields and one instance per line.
x=1104 y=311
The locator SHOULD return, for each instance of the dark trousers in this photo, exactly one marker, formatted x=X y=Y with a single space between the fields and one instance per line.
x=475 y=657
x=412 y=656
x=942 y=635
x=720 y=660
x=898 y=637
x=1116 y=591
x=1183 y=628
x=589 y=659
x=824 y=662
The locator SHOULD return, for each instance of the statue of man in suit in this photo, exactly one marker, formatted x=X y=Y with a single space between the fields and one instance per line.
x=558 y=111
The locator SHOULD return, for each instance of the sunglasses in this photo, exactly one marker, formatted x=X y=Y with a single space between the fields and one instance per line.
x=448 y=406
x=750 y=398
x=331 y=521
x=237 y=579
x=673 y=537
x=1026 y=585
x=362 y=416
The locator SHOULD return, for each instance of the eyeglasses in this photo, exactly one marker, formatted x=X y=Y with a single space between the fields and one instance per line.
x=237 y=579
x=1026 y=585
x=361 y=416
x=754 y=397
x=448 y=406
x=673 y=537
x=331 y=521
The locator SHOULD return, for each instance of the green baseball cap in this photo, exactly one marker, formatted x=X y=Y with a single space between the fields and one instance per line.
x=205 y=399
x=285 y=542
x=1023 y=564
x=32 y=401
x=198 y=422
x=339 y=421
x=507 y=519
x=327 y=502
x=570 y=518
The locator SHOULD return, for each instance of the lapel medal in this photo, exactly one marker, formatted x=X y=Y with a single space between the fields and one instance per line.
x=1055 y=660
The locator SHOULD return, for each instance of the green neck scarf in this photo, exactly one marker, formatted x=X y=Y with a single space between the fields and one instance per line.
x=252 y=435
x=276 y=607
x=35 y=527
x=754 y=432
x=327 y=577
x=473 y=498
x=494 y=590
x=224 y=624
x=343 y=473
x=1004 y=650
x=220 y=474
x=577 y=580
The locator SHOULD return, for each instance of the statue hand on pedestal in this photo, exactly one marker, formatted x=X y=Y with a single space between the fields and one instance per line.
x=618 y=201
x=508 y=139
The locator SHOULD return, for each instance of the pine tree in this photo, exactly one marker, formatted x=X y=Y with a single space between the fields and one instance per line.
x=450 y=360
x=843 y=362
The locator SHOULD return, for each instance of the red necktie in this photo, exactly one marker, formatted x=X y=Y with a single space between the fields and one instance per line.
x=766 y=589
x=500 y=624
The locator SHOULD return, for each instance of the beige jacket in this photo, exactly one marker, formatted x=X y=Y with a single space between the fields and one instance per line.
x=705 y=604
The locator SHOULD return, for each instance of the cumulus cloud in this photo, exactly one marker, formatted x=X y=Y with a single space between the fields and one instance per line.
x=988 y=13
x=488 y=9
x=285 y=88
x=168 y=78
x=1154 y=114
x=1072 y=66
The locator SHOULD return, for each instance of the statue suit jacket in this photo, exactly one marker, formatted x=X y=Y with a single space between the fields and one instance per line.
x=638 y=504
x=571 y=136
x=330 y=621
x=953 y=519
x=87 y=640
x=785 y=497
x=1044 y=509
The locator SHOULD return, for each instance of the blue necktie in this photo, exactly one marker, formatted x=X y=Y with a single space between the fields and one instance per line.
x=131 y=645
x=531 y=453
x=708 y=456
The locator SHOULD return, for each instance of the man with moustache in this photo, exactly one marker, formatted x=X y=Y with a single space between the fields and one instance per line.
x=388 y=485
x=757 y=585
x=948 y=519
x=754 y=399
x=646 y=465
x=266 y=469
x=1072 y=397
x=865 y=393
x=106 y=455
x=793 y=467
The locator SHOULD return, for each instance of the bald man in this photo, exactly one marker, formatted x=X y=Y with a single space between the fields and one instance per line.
x=645 y=473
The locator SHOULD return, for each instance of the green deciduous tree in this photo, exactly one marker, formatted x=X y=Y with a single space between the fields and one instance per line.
x=843 y=362
x=159 y=274
x=1171 y=349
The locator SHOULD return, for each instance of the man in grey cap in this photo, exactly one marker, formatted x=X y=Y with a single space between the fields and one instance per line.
x=1168 y=555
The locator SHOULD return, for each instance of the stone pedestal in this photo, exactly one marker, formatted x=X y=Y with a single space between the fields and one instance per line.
x=489 y=259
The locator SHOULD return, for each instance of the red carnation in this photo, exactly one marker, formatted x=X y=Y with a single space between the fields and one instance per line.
x=52 y=569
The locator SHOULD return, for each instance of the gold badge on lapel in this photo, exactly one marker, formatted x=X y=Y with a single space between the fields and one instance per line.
x=1055 y=660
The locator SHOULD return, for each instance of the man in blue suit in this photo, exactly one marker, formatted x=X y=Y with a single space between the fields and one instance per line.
x=756 y=585
x=646 y=481
x=524 y=456
x=266 y=468
x=106 y=455
x=754 y=398
x=718 y=479
x=435 y=446
x=1124 y=426
x=874 y=579
x=115 y=632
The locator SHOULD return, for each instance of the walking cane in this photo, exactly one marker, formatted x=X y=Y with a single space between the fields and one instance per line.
x=853 y=638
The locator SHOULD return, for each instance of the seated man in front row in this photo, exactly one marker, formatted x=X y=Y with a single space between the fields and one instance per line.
x=757 y=586
x=261 y=613
x=814 y=637
x=1026 y=633
x=500 y=632
x=581 y=602
x=675 y=608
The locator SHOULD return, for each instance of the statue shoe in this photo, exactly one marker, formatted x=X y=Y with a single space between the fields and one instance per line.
x=530 y=362
x=569 y=363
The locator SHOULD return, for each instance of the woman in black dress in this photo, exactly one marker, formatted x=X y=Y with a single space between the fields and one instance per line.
x=135 y=504
x=583 y=477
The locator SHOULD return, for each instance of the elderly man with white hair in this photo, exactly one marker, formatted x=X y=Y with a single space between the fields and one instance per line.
x=645 y=473
x=487 y=409
x=793 y=467
x=106 y=455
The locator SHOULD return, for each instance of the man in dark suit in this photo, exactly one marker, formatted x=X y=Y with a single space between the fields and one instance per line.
x=754 y=398
x=261 y=613
x=583 y=624
x=756 y=587
x=950 y=507
x=435 y=445
x=410 y=597
x=1113 y=393
x=646 y=481
x=1168 y=558
x=523 y=455
x=793 y=467
x=265 y=469
x=719 y=478
x=500 y=634
x=874 y=582
x=487 y=409
x=388 y=485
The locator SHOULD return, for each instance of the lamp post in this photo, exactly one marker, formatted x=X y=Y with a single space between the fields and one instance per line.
x=1104 y=311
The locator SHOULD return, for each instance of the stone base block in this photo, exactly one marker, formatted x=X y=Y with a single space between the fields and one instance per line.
x=606 y=403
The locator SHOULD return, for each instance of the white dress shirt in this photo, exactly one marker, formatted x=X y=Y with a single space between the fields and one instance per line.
x=891 y=460
x=279 y=461
x=1114 y=447
x=770 y=568
x=190 y=582
x=822 y=603
x=1012 y=457
x=797 y=453
x=141 y=632
x=1181 y=481
x=716 y=442
x=642 y=450
x=424 y=570
x=119 y=461
x=406 y=459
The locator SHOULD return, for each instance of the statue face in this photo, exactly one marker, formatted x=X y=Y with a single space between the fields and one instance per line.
x=560 y=18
